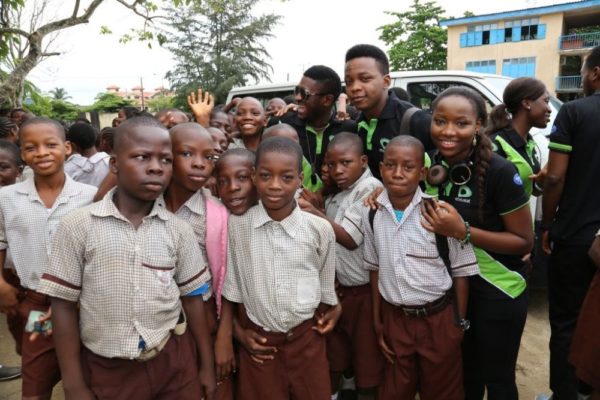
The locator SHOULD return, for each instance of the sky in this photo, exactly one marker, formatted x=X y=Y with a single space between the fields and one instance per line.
x=310 y=32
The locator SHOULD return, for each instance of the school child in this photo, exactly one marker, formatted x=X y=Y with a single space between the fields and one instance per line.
x=193 y=163
x=274 y=106
x=487 y=205
x=525 y=105
x=171 y=117
x=419 y=298
x=221 y=142
x=250 y=120
x=85 y=164
x=10 y=169
x=29 y=214
x=106 y=140
x=281 y=266
x=382 y=114
x=235 y=188
x=585 y=348
x=311 y=181
x=220 y=120
x=9 y=130
x=129 y=264
x=352 y=346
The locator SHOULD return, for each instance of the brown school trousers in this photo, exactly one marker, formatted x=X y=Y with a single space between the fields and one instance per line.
x=353 y=342
x=428 y=356
x=172 y=374
x=299 y=370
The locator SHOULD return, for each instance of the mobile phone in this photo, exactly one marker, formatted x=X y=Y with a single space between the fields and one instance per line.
x=34 y=324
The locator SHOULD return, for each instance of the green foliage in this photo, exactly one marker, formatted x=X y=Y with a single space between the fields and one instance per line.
x=217 y=44
x=416 y=39
x=59 y=94
x=6 y=6
x=159 y=102
x=48 y=107
x=109 y=102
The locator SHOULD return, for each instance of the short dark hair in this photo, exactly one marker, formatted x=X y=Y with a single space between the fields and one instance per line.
x=347 y=138
x=327 y=77
x=237 y=152
x=370 y=51
x=280 y=145
x=13 y=150
x=83 y=135
x=126 y=127
x=408 y=141
x=44 y=120
x=131 y=112
x=274 y=130
x=593 y=59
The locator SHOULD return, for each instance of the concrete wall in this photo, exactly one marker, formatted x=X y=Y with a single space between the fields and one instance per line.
x=545 y=51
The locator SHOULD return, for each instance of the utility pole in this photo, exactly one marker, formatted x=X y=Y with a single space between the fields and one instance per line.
x=142 y=93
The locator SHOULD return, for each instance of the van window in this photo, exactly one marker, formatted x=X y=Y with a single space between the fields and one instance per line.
x=422 y=94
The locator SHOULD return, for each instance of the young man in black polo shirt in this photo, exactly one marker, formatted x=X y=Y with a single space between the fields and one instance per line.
x=571 y=218
x=368 y=88
x=315 y=119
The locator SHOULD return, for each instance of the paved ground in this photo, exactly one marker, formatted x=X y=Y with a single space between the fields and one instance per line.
x=532 y=368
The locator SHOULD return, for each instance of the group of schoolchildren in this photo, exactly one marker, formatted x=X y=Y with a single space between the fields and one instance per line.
x=252 y=255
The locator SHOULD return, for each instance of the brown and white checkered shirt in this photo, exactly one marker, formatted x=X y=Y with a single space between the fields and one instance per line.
x=411 y=271
x=27 y=225
x=193 y=212
x=128 y=281
x=280 y=271
x=345 y=208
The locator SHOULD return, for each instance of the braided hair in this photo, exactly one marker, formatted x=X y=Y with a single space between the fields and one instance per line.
x=7 y=127
x=482 y=149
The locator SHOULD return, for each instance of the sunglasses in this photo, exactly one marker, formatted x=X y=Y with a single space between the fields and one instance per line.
x=305 y=94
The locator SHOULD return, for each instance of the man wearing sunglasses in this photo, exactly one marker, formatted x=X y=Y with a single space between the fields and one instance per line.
x=314 y=118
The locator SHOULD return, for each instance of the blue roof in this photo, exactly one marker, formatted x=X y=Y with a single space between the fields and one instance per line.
x=527 y=12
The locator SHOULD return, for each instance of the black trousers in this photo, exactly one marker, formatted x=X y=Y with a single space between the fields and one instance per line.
x=570 y=272
x=491 y=347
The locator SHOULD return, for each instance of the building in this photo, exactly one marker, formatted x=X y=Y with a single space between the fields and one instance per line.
x=137 y=93
x=548 y=43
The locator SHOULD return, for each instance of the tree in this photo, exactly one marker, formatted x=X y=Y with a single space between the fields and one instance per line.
x=217 y=44
x=59 y=94
x=22 y=48
x=416 y=39
x=109 y=102
x=159 y=102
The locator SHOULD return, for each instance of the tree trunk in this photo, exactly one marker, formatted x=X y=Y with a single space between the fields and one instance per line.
x=12 y=86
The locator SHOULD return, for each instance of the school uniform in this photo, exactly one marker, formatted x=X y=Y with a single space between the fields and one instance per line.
x=577 y=219
x=353 y=343
x=377 y=132
x=237 y=143
x=26 y=228
x=91 y=170
x=208 y=219
x=585 y=349
x=128 y=284
x=418 y=318
x=281 y=272
x=314 y=143
x=498 y=296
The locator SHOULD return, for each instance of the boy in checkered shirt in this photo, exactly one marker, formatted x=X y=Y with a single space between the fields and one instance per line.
x=418 y=320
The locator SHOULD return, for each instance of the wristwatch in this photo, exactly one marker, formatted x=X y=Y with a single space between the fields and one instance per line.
x=464 y=324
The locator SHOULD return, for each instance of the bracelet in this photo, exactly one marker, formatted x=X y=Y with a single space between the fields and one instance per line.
x=467 y=238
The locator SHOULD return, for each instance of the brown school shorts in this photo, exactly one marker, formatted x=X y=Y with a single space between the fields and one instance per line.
x=353 y=342
x=172 y=374
x=298 y=371
x=15 y=322
x=585 y=348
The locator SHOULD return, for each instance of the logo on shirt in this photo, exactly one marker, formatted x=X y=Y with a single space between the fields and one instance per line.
x=517 y=180
x=383 y=144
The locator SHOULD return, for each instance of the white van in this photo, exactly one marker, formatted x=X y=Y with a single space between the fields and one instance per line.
x=422 y=88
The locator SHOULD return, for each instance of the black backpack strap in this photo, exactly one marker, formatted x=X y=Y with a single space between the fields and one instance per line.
x=405 y=123
x=441 y=243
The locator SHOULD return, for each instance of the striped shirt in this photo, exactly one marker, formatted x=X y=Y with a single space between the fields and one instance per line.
x=411 y=272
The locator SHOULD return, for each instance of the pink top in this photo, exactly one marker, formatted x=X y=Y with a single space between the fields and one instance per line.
x=216 y=246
